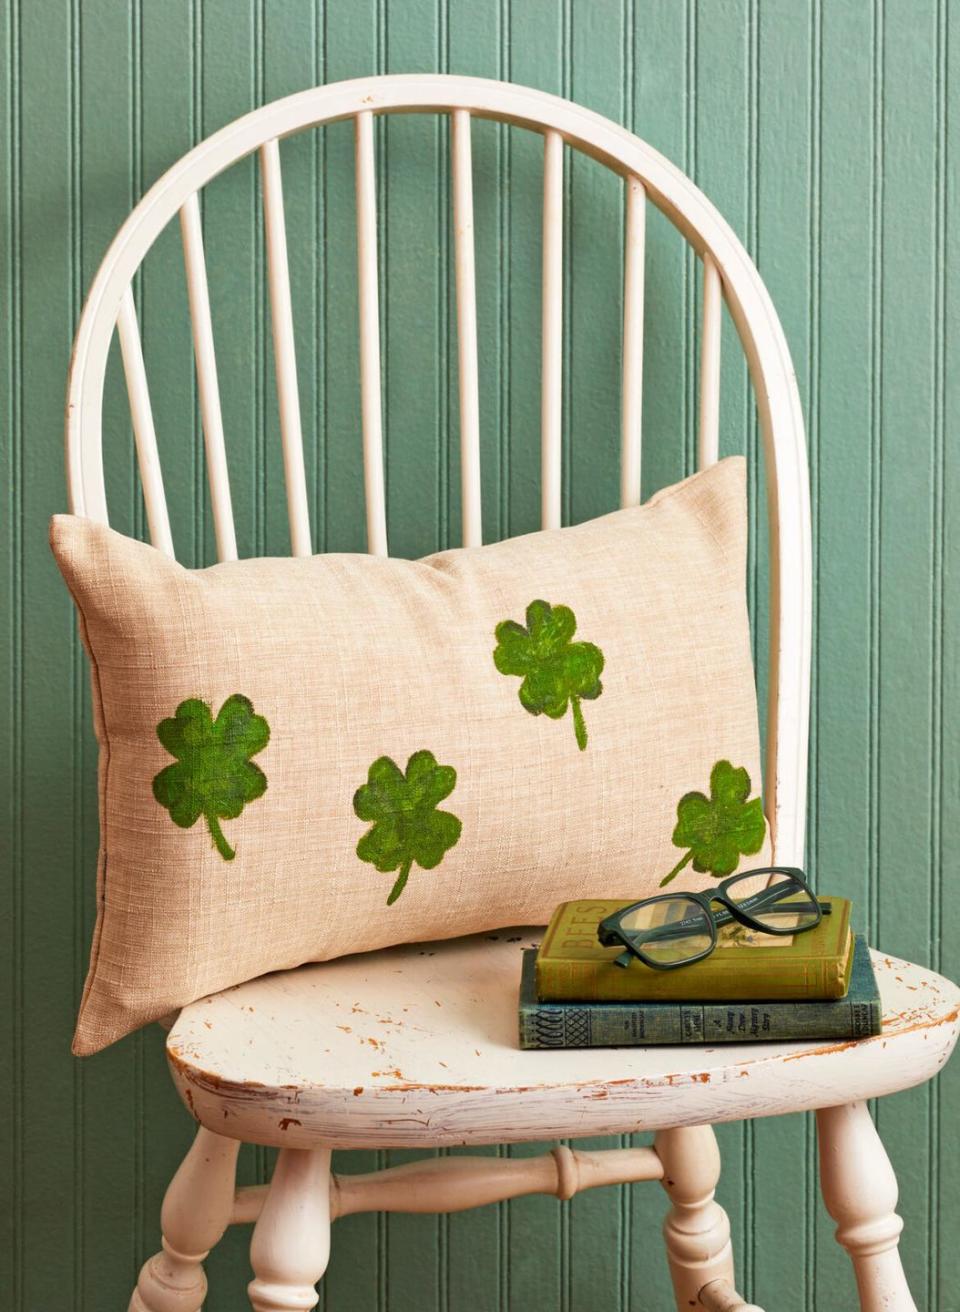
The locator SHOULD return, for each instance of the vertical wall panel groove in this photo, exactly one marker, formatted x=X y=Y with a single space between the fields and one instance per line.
x=79 y=745
x=948 y=1088
x=935 y=782
x=12 y=619
x=810 y=1202
x=874 y=473
x=871 y=318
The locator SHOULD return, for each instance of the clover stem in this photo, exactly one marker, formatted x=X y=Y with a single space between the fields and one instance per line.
x=684 y=860
x=216 y=833
x=579 y=728
x=401 y=882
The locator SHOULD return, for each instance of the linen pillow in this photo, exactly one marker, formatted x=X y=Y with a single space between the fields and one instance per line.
x=301 y=758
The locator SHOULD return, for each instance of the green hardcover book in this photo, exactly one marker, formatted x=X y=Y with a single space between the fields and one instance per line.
x=642 y=1024
x=573 y=967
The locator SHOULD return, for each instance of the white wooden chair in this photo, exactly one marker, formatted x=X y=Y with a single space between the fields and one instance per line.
x=271 y=1062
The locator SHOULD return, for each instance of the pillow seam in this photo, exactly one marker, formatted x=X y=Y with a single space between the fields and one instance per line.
x=88 y=986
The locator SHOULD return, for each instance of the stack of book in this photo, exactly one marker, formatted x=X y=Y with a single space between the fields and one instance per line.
x=753 y=986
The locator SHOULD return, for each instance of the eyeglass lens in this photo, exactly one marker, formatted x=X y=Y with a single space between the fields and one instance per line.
x=669 y=929
x=777 y=901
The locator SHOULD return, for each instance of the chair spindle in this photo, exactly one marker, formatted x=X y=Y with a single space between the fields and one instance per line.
x=202 y=326
x=633 y=288
x=284 y=349
x=148 y=459
x=708 y=444
x=370 y=403
x=551 y=395
x=462 y=164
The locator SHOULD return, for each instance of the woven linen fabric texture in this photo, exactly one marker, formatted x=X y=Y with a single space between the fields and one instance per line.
x=351 y=658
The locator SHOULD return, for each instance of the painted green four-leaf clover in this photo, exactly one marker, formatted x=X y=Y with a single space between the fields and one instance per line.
x=213 y=776
x=556 y=671
x=407 y=827
x=719 y=829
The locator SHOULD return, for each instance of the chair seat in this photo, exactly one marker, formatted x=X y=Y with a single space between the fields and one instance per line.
x=417 y=1046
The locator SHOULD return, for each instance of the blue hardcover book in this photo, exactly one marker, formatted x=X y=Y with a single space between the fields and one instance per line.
x=638 y=1024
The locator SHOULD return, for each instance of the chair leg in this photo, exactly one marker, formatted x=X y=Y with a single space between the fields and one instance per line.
x=196 y=1211
x=696 y=1230
x=719 y=1296
x=291 y=1240
x=860 y=1192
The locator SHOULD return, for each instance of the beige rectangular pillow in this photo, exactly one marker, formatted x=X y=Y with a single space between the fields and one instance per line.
x=301 y=758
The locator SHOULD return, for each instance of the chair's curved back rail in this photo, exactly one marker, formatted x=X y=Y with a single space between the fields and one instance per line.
x=729 y=275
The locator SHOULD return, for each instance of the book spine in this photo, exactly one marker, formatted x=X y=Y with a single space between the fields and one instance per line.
x=566 y=1025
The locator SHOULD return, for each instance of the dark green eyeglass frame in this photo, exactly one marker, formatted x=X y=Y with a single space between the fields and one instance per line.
x=610 y=930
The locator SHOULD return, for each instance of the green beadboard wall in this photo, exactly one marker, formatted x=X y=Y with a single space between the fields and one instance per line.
x=825 y=130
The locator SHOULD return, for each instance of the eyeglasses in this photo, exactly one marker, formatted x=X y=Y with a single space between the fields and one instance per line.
x=676 y=929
